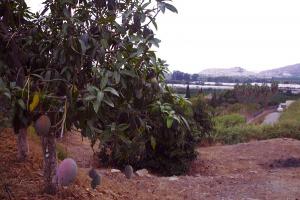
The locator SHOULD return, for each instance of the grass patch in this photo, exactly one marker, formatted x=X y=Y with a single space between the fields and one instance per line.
x=230 y=129
x=292 y=114
x=61 y=152
x=239 y=108
x=226 y=121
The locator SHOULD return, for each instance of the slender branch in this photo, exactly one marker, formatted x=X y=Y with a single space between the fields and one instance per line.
x=64 y=120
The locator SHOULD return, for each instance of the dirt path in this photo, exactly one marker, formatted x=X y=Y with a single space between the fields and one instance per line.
x=271 y=118
x=259 y=118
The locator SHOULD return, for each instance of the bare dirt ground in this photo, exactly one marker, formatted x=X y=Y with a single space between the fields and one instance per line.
x=257 y=170
x=78 y=148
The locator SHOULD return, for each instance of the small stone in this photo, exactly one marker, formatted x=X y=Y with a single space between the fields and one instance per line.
x=128 y=171
x=92 y=173
x=115 y=171
x=173 y=178
x=143 y=172
x=96 y=181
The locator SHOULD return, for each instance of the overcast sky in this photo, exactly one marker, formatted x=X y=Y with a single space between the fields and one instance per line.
x=254 y=34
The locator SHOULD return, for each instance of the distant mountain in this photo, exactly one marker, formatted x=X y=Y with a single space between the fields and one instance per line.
x=284 y=72
x=229 y=72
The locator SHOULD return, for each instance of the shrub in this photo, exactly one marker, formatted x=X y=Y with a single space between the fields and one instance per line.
x=202 y=117
x=236 y=134
x=227 y=121
x=158 y=138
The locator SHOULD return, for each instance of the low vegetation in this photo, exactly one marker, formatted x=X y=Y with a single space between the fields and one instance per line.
x=237 y=130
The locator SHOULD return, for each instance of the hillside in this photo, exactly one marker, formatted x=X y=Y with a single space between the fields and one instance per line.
x=282 y=72
x=235 y=72
x=287 y=71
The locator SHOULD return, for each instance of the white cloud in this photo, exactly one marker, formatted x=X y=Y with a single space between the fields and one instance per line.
x=255 y=34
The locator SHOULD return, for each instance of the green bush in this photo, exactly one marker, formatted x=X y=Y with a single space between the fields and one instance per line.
x=236 y=134
x=202 y=116
x=227 y=121
x=159 y=137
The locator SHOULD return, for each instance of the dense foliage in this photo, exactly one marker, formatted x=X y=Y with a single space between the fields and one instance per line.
x=246 y=94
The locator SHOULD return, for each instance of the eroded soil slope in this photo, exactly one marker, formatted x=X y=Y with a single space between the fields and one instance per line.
x=256 y=170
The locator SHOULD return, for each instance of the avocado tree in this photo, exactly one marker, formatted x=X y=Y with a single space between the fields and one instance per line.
x=89 y=65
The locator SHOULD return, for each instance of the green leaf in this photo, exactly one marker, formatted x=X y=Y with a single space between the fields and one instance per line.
x=97 y=103
x=66 y=12
x=21 y=104
x=186 y=123
x=82 y=45
x=7 y=94
x=117 y=76
x=153 y=22
x=111 y=90
x=38 y=76
x=100 y=96
x=171 y=8
x=124 y=139
x=145 y=5
x=123 y=127
x=169 y=121
x=109 y=102
x=104 y=81
x=128 y=73
x=65 y=28
x=153 y=142
x=162 y=6
x=155 y=42
x=48 y=75
x=89 y=98
x=104 y=43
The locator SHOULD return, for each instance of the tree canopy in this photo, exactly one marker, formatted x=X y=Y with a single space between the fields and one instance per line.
x=89 y=65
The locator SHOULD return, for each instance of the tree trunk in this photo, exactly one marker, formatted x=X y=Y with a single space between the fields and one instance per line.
x=22 y=144
x=49 y=151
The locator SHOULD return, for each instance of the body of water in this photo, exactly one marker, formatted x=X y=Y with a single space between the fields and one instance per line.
x=295 y=88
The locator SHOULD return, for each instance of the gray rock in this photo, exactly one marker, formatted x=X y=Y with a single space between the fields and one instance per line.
x=128 y=171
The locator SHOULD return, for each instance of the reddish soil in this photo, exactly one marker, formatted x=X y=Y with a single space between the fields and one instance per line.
x=257 y=170
x=79 y=148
